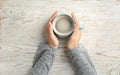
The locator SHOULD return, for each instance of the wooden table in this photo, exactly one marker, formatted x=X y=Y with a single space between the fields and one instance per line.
x=22 y=25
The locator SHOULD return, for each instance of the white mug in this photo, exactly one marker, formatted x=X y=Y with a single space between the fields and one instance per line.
x=58 y=23
x=69 y=22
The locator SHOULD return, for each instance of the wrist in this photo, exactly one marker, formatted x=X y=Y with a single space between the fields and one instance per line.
x=71 y=47
x=53 y=46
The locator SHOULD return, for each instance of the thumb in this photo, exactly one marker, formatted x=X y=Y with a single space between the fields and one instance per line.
x=50 y=28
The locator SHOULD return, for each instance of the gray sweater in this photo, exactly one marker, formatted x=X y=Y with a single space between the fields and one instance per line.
x=78 y=56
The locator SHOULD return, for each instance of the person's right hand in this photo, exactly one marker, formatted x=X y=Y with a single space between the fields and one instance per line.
x=73 y=41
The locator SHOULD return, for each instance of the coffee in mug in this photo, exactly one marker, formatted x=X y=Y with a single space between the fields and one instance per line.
x=63 y=25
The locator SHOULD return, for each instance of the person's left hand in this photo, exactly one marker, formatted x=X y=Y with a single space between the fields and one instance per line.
x=51 y=38
x=74 y=39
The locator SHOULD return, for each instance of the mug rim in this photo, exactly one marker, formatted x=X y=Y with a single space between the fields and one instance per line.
x=58 y=33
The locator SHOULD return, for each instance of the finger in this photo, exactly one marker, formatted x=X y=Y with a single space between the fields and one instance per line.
x=74 y=33
x=49 y=27
x=76 y=29
x=80 y=33
x=75 y=19
x=53 y=16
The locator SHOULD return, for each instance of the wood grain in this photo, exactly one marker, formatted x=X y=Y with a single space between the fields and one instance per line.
x=22 y=25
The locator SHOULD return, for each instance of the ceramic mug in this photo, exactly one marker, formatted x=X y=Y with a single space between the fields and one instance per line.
x=63 y=25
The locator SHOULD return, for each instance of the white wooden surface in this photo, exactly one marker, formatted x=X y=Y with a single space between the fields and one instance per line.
x=22 y=25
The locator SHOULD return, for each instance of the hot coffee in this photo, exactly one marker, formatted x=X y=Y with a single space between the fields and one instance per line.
x=63 y=25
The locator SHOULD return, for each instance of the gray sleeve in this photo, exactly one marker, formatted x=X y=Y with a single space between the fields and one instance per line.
x=43 y=60
x=81 y=61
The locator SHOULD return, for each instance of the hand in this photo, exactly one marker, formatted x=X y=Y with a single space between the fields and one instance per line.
x=52 y=39
x=73 y=41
